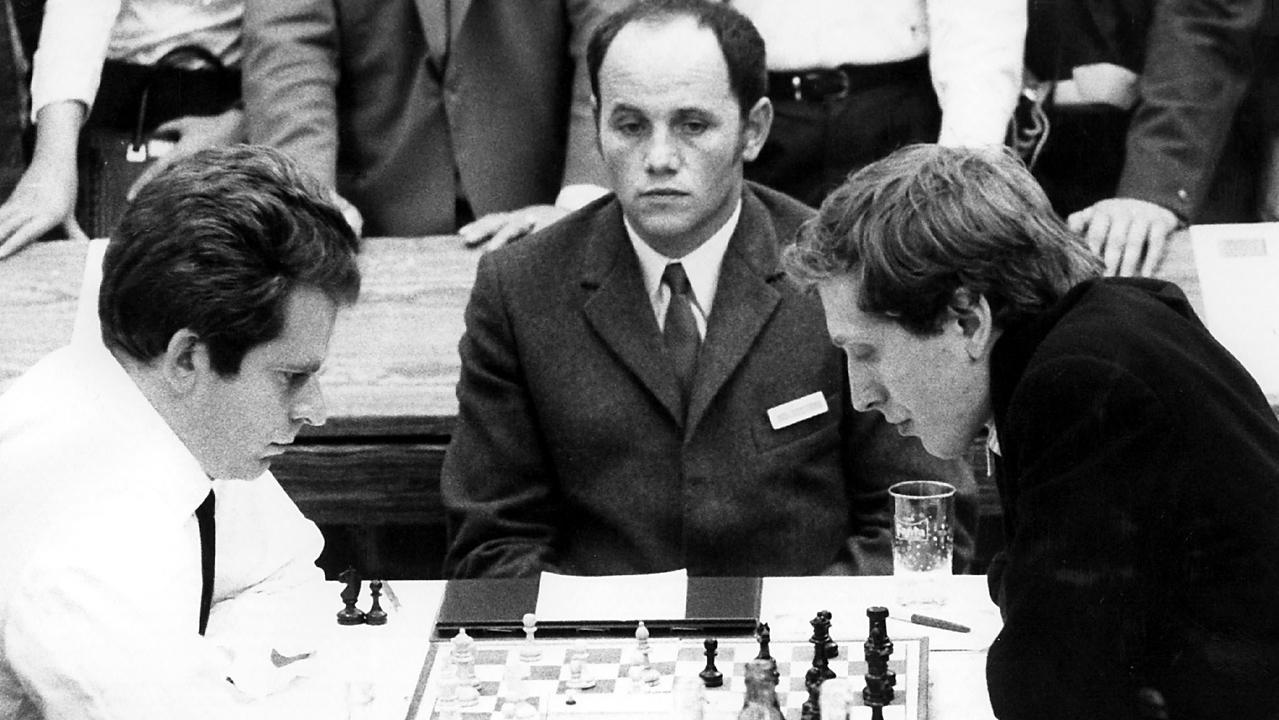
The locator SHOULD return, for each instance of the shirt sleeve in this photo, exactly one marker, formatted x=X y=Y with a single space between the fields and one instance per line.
x=73 y=45
x=975 y=58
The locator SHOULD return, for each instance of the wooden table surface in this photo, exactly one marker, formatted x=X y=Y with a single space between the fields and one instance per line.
x=393 y=357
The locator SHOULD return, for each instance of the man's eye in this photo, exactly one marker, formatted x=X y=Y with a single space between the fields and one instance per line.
x=295 y=379
x=694 y=127
x=630 y=129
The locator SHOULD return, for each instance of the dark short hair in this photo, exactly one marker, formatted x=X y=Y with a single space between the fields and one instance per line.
x=738 y=39
x=215 y=244
x=926 y=221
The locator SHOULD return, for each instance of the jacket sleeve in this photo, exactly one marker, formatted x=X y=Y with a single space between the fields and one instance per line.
x=1092 y=443
x=497 y=484
x=290 y=75
x=583 y=165
x=876 y=458
x=1199 y=62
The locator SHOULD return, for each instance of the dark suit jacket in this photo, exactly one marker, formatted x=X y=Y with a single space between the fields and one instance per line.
x=348 y=88
x=570 y=452
x=1140 y=490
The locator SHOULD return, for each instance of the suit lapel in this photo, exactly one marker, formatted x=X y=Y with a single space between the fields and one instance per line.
x=618 y=309
x=744 y=301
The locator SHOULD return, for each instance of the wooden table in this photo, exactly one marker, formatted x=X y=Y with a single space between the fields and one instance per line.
x=385 y=662
x=389 y=383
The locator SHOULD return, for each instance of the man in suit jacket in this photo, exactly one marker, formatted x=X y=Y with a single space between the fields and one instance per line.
x=424 y=113
x=584 y=443
x=1138 y=462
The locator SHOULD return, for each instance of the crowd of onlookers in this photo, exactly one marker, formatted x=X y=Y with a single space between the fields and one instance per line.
x=475 y=117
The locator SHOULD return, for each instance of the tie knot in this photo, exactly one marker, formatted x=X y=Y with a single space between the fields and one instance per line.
x=676 y=279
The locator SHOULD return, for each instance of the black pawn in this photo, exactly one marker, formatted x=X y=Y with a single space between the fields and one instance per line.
x=349 y=615
x=376 y=615
x=764 y=635
x=711 y=676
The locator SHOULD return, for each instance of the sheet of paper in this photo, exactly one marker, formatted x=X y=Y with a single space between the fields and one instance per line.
x=1239 y=277
x=658 y=596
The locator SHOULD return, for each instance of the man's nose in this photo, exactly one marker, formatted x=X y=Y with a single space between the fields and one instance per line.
x=662 y=154
x=866 y=394
x=308 y=406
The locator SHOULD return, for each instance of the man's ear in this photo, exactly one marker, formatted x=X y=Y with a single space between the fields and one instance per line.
x=972 y=313
x=184 y=362
x=755 y=131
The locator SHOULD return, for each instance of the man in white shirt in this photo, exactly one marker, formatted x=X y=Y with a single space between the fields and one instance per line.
x=641 y=389
x=149 y=559
x=852 y=80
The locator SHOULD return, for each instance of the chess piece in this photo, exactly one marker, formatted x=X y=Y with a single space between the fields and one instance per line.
x=820 y=663
x=349 y=615
x=761 y=693
x=821 y=633
x=530 y=652
x=764 y=635
x=578 y=676
x=448 y=691
x=463 y=656
x=649 y=675
x=376 y=615
x=811 y=709
x=641 y=638
x=711 y=676
x=525 y=711
x=879 y=679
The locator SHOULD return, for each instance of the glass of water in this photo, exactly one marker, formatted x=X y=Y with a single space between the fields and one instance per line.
x=923 y=537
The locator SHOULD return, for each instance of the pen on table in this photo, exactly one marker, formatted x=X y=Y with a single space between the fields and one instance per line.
x=933 y=622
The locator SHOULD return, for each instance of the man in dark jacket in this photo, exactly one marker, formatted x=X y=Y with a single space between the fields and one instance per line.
x=1138 y=462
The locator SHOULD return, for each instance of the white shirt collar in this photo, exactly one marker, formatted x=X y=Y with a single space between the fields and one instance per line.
x=702 y=264
x=106 y=381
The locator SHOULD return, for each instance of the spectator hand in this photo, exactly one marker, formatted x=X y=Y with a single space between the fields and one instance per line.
x=191 y=134
x=1128 y=234
x=43 y=199
x=496 y=229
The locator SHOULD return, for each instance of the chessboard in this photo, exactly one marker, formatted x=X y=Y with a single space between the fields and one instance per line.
x=618 y=694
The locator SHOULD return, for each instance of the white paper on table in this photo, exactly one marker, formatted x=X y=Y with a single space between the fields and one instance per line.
x=654 y=596
x=1239 y=276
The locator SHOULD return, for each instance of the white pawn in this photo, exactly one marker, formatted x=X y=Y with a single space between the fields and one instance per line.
x=530 y=652
x=448 y=691
x=467 y=695
x=580 y=651
x=463 y=656
x=649 y=674
x=578 y=678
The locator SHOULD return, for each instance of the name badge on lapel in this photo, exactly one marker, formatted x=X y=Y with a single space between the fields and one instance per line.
x=803 y=408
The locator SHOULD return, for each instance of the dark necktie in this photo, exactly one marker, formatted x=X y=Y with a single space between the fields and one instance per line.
x=208 y=543
x=680 y=331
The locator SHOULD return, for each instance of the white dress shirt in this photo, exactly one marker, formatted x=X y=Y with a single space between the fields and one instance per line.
x=975 y=50
x=100 y=558
x=77 y=36
x=701 y=265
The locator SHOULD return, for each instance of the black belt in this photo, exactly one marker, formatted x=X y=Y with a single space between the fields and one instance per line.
x=820 y=84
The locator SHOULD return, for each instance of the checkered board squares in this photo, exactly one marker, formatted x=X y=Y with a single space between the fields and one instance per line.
x=617 y=695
